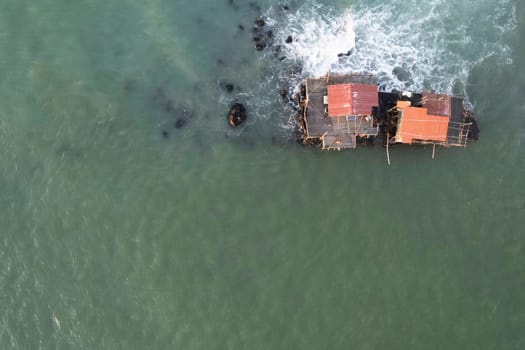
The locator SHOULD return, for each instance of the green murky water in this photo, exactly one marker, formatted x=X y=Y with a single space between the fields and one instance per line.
x=113 y=236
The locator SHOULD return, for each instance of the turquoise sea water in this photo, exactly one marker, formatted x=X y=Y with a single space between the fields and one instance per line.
x=113 y=236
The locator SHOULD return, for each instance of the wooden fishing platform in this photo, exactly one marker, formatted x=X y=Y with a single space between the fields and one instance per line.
x=339 y=129
x=340 y=110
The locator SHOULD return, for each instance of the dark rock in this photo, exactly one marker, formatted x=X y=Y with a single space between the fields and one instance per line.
x=282 y=93
x=165 y=134
x=240 y=26
x=284 y=7
x=269 y=34
x=236 y=114
x=289 y=39
x=260 y=46
x=348 y=53
x=256 y=38
x=282 y=58
x=260 y=22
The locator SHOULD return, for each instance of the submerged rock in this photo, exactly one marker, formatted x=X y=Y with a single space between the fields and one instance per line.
x=183 y=116
x=262 y=35
x=129 y=86
x=401 y=73
x=254 y=6
x=233 y=4
x=180 y=122
x=168 y=106
x=226 y=85
x=229 y=87
x=289 y=39
x=236 y=114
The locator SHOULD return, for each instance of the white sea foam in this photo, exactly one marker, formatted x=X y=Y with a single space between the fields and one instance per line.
x=416 y=45
x=318 y=40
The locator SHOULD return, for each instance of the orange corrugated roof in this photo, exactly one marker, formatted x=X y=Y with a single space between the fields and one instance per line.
x=351 y=99
x=416 y=123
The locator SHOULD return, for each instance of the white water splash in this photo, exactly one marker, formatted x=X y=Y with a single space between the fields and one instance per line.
x=318 y=41
x=413 y=45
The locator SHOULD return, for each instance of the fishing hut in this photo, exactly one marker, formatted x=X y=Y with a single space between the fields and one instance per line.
x=425 y=118
x=337 y=110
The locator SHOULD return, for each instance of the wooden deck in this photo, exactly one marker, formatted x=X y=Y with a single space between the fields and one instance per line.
x=457 y=128
x=334 y=132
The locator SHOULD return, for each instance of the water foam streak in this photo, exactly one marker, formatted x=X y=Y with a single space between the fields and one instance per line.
x=414 y=45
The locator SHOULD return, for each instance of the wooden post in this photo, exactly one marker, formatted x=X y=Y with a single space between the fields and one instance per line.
x=387 y=142
x=433 y=151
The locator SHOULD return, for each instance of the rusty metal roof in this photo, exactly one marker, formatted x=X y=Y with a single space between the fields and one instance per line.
x=351 y=99
x=417 y=124
x=437 y=104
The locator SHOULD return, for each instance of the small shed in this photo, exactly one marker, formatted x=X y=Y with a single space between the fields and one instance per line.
x=351 y=99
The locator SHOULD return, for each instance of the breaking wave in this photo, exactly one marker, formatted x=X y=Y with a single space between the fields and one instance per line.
x=413 y=45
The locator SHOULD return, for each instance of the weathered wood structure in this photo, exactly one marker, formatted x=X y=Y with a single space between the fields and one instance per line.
x=340 y=110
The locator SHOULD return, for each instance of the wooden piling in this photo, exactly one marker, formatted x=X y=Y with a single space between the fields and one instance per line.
x=387 y=153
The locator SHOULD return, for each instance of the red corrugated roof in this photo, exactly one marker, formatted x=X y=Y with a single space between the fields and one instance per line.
x=339 y=100
x=351 y=99
x=417 y=124
x=364 y=97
